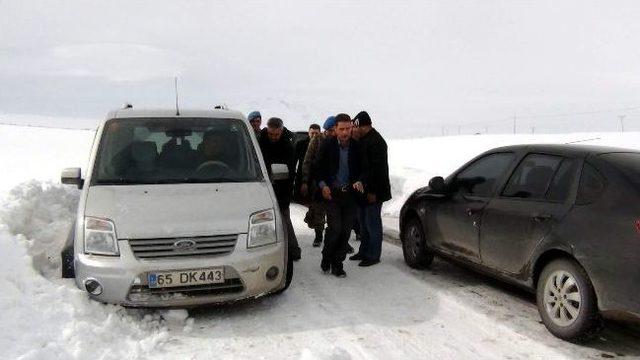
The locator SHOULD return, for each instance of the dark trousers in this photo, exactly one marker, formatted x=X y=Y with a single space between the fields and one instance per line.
x=341 y=213
x=370 y=218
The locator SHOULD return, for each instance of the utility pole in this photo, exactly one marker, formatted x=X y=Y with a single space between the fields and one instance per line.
x=533 y=129
x=514 y=124
x=621 y=117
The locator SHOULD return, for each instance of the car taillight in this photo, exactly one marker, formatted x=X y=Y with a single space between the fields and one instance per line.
x=637 y=225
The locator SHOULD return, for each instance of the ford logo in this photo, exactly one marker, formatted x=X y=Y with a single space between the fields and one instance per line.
x=184 y=245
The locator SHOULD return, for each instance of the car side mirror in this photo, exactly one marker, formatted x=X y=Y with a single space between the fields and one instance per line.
x=437 y=185
x=279 y=172
x=72 y=176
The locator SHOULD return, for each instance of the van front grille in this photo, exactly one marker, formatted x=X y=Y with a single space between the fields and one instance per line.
x=178 y=247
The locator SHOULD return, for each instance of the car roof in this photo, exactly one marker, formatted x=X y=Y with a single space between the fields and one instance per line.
x=171 y=113
x=567 y=149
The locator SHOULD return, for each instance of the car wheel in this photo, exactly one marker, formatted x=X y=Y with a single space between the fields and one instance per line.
x=567 y=302
x=289 y=276
x=414 y=246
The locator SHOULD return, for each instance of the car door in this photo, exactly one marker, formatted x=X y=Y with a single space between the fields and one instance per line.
x=457 y=218
x=536 y=197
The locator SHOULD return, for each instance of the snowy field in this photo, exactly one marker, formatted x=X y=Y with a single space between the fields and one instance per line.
x=386 y=311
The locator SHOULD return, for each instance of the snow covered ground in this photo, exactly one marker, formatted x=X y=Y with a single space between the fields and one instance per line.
x=387 y=311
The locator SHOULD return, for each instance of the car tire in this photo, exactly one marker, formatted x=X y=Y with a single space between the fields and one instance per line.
x=567 y=302
x=414 y=245
x=288 y=276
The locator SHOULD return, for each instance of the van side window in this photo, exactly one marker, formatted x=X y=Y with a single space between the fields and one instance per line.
x=532 y=177
x=592 y=185
x=481 y=177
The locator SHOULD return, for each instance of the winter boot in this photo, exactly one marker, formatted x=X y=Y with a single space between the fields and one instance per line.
x=318 y=240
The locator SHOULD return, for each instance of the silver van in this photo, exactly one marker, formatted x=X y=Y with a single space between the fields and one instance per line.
x=176 y=210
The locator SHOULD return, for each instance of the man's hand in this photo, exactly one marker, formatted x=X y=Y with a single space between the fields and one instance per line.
x=359 y=187
x=304 y=189
x=326 y=193
x=372 y=198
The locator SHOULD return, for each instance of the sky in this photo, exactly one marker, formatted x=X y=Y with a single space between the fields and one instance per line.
x=419 y=67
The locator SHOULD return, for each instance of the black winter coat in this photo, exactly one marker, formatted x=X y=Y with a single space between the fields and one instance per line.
x=300 y=151
x=280 y=152
x=375 y=168
x=329 y=160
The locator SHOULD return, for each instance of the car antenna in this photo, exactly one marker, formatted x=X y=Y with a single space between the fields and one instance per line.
x=176 y=87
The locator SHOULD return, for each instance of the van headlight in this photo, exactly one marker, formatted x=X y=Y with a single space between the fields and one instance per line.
x=262 y=229
x=100 y=236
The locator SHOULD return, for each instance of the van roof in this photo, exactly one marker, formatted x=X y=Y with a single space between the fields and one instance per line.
x=171 y=113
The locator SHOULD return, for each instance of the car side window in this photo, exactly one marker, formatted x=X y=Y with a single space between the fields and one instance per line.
x=481 y=177
x=532 y=177
x=592 y=185
x=561 y=184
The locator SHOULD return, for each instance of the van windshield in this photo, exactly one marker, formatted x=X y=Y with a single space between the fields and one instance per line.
x=175 y=150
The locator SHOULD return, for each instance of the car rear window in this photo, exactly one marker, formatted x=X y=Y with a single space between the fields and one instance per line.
x=592 y=185
x=628 y=163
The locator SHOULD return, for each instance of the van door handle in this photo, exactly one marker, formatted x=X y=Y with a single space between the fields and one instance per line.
x=541 y=217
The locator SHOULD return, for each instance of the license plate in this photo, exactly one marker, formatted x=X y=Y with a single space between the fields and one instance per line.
x=186 y=278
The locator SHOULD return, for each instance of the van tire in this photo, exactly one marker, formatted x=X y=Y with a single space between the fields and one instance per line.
x=68 y=270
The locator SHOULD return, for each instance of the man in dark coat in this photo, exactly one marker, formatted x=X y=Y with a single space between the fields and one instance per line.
x=375 y=177
x=339 y=177
x=277 y=148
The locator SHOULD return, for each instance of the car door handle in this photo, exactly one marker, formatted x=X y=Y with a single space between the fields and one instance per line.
x=541 y=217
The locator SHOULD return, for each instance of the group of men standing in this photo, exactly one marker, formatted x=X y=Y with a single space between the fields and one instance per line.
x=342 y=174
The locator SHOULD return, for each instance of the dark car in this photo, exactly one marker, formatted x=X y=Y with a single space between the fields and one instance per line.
x=560 y=220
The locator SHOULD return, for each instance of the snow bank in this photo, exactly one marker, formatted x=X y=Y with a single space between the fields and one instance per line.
x=42 y=214
x=45 y=319
x=48 y=317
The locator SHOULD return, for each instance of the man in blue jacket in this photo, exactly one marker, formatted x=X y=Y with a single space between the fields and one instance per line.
x=339 y=173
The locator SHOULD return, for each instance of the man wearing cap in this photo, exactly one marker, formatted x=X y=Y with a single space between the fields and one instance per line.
x=316 y=214
x=255 y=119
x=375 y=176
x=339 y=175
x=276 y=148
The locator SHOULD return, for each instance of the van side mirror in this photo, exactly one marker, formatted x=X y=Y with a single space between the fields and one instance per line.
x=72 y=176
x=437 y=185
x=279 y=172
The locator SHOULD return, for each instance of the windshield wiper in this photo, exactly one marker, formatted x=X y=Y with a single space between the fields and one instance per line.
x=117 y=181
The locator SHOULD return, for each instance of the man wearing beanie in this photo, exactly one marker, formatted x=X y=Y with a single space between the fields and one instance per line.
x=316 y=214
x=255 y=119
x=339 y=175
x=375 y=177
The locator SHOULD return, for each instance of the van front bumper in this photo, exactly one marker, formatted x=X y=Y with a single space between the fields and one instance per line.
x=124 y=278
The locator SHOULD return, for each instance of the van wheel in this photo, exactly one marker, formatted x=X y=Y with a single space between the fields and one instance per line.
x=414 y=246
x=289 y=275
x=567 y=302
